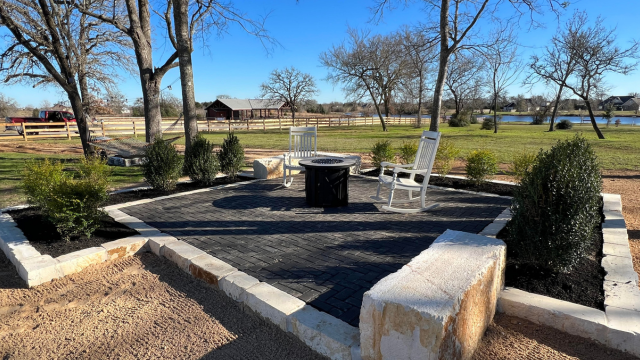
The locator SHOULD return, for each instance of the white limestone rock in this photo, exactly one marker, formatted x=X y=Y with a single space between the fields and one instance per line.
x=158 y=242
x=437 y=306
x=209 y=268
x=236 y=284
x=125 y=247
x=39 y=270
x=76 y=261
x=180 y=253
x=272 y=304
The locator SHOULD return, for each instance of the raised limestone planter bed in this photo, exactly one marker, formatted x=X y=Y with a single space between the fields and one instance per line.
x=618 y=326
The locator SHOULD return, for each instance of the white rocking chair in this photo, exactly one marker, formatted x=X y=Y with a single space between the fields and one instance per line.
x=302 y=144
x=422 y=165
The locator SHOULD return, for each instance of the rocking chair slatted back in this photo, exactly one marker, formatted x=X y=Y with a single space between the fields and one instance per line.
x=302 y=142
x=426 y=154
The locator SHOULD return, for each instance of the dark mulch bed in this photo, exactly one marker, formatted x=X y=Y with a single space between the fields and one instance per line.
x=583 y=285
x=462 y=184
x=151 y=193
x=45 y=238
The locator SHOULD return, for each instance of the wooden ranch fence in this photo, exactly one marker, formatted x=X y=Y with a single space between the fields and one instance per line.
x=135 y=126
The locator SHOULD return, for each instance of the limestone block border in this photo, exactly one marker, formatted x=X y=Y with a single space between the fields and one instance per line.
x=619 y=325
x=271 y=167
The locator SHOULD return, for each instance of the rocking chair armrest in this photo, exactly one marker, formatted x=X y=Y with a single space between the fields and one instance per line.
x=397 y=170
x=385 y=164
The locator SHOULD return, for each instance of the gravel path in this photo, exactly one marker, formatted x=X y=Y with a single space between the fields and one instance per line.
x=511 y=338
x=136 y=308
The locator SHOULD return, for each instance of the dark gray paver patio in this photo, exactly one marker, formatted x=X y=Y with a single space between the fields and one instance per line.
x=325 y=257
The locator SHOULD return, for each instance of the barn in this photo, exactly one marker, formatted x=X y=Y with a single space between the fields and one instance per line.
x=239 y=109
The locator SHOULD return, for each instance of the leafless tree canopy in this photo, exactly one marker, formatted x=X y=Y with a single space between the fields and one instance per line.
x=291 y=86
x=7 y=105
x=51 y=43
x=580 y=56
x=464 y=80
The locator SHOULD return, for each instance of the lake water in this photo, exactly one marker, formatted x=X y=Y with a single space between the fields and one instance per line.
x=624 y=120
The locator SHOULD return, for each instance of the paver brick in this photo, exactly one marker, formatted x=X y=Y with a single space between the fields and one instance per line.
x=270 y=233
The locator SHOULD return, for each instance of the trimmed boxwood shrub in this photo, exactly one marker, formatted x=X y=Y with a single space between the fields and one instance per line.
x=445 y=156
x=564 y=124
x=200 y=162
x=71 y=201
x=481 y=165
x=556 y=207
x=382 y=151
x=163 y=165
x=231 y=156
x=521 y=164
x=408 y=151
x=487 y=124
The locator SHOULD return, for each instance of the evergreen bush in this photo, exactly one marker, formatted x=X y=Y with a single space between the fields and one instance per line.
x=521 y=164
x=445 y=156
x=382 y=151
x=200 y=162
x=231 y=156
x=163 y=165
x=487 y=124
x=556 y=208
x=460 y=119
x=564 y=124
x=481 y=165
x=408 y=152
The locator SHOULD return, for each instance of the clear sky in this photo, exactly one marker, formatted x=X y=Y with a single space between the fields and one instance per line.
x=236 y=64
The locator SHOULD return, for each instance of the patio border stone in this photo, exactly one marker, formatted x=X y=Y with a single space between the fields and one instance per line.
x=619 y=325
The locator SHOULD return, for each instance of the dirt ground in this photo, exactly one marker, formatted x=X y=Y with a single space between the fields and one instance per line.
x=137 y=308
x=511 y=338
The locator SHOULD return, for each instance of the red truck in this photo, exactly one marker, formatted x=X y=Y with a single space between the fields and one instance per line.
x=46 y=116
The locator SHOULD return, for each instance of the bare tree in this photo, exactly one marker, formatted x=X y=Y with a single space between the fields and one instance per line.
x=366 y=66
x=7 y=105
x=199 y=18
x=503 y=66
x=291 y=86
x=463 y=79
x=456 y=26
x=50 y=43
x=420 y=53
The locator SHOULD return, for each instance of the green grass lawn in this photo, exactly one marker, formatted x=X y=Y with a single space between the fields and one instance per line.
x=621 y=149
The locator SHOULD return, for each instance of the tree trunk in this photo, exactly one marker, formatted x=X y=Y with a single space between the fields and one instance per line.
x=419 y=116
x=152 y=113
x=377 y=106
x=442 y=69
x=555 y=108
x=495 y=114
x=81 y=121
x=181 y=18
x=593 y=120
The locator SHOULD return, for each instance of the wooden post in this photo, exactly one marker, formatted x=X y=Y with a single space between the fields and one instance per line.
x=24 y=132
x=102 y=124
x=66 y=124
x=280 y=122
x=248 y=123
x=316 y=122
x=264 y=126
x=230 y=121
x=208 y=125
x=307 y=121
x=135 y=129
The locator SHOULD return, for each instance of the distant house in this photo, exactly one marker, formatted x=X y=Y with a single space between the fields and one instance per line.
x=245 y=108
x=616 y=101
x=632 y=104
x=510 y=107
x=60 y=107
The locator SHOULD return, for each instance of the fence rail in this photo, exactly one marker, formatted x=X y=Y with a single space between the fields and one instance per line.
x=135 y=126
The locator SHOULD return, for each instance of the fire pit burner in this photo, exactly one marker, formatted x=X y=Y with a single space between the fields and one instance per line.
x=326 y=161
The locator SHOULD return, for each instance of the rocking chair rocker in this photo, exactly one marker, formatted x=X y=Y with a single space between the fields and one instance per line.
x=422 y=165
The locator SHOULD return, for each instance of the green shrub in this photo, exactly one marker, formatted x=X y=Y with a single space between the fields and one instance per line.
x=460 y=119
x=163 y=165
x=72 y=204
x=521 y=164
x=445 y=156
x=540 y=116
x=481 y=164
x=488 y=124
x=382 y=151
x=564 y=124
x=408 y=152
x=38 y=178
x=231 y=156
x=200 y=162
x=556 y=207
x=473 y=119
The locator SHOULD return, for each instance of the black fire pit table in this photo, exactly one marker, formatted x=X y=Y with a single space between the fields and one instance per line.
x=327 y=181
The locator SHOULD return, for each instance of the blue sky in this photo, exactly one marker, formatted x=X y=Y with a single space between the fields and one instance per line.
x=237 y=64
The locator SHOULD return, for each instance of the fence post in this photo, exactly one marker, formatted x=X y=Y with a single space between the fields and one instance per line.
x=208 y=125
x=102 y=124
x=229 y=124
x=280 y=122
x=66 y=124
x=24 y=132
x=135 y=130
x=248 y=124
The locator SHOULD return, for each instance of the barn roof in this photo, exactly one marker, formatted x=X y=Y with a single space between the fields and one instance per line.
x=250 y=104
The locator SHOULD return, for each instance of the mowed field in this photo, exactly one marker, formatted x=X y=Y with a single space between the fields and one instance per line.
x=620 y=151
